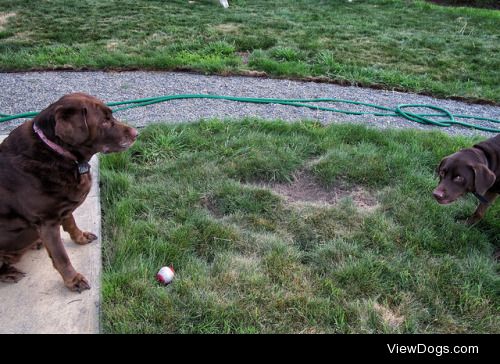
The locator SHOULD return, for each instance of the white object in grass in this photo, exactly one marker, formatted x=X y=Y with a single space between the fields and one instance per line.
x=165 y=275
x=224 y=3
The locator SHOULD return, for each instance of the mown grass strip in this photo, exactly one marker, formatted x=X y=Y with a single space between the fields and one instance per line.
x=407 y=45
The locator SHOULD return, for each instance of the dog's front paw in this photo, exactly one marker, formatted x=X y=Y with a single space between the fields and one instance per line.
x=78 y=283
x=85 y=238
x=9 y=274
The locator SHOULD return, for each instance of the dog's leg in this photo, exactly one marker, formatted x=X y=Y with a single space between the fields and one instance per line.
x=50 y=234
x=481 y=209
x=9 y=274
x=78 y=236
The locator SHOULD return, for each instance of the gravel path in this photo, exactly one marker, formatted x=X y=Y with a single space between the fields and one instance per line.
x=33 y=91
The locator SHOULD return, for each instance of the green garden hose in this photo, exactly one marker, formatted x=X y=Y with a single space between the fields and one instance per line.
x=450 y=119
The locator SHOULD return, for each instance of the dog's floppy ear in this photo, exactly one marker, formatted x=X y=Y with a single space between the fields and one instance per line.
x=484 y=178
x=71 y=124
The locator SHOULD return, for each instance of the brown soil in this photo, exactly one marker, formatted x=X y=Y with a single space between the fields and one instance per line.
x=305 y=189
x=210 y=206
x=388 y=316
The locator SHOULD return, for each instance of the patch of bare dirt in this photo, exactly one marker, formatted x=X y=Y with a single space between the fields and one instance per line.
x=112 y=45
x=391 y=318
x=305 y=189
x=228 y=27
x=311 y=330
x=4 y=17
x=253 y=73
x=22 y=36
x=207 y=203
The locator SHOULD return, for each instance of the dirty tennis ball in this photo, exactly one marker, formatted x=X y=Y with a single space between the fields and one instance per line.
x=165 y=275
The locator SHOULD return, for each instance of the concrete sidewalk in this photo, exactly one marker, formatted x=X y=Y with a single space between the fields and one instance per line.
x=40 y=303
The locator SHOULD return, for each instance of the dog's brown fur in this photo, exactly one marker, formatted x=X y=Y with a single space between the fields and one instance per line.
x=40 y=189
x=474 y=170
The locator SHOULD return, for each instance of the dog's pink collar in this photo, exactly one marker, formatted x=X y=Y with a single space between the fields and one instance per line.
x=83 y=167
x=56 y=148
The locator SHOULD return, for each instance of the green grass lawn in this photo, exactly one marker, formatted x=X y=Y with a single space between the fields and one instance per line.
x=406 y=44
x=209 y=198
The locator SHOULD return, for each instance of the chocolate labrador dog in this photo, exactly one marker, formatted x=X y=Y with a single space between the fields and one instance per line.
x=475 y=170
x=44 y=177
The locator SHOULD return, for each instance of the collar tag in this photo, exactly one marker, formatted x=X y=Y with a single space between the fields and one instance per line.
x=83 y=168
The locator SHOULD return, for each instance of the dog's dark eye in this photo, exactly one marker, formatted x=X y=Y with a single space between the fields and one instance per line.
x=458 y=179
